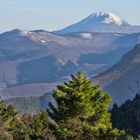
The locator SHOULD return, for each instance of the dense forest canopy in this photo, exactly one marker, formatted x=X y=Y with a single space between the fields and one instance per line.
x=127 y=116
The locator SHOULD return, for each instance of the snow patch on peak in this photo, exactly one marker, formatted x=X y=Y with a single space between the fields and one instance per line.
x=112 y=18
x=107 y=18
x=25 y=32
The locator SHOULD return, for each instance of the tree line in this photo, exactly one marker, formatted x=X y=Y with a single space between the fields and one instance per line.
x=80 y=112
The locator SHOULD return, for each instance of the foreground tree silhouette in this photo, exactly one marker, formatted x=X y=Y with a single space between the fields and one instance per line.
x=81 y=111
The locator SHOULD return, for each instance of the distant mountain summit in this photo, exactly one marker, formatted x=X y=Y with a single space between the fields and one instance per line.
x=105 y=18
x=101 y=22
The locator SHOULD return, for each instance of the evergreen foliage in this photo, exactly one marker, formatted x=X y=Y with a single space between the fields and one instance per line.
x=7 y=116
x=14 y=126
x=81 y=111
x=37 y=125
x=127 y=116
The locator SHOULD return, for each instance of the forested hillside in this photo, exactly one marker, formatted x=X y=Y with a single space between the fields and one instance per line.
x=81 y=113
x=127 y=116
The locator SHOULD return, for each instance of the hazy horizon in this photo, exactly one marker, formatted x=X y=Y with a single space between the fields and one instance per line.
x=54 y=15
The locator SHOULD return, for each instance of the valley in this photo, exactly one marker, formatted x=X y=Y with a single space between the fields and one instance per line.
x=32 y=63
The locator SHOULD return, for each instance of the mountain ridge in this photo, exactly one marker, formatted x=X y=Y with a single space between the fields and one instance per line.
x=23 y=52
x=100 y=22
x=123 y=77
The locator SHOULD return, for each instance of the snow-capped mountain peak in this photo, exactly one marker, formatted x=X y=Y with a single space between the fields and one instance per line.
x=107 y=18
x=100 y=22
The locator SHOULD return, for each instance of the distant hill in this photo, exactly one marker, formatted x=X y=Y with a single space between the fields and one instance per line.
x=122 y=81
x=31 y=58
x=30 y=104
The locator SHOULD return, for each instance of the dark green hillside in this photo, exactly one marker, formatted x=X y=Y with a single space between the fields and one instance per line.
x=127 y=116
x=31 y=104
x=26 y=104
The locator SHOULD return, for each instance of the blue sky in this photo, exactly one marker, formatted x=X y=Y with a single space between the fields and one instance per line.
x=56 y=14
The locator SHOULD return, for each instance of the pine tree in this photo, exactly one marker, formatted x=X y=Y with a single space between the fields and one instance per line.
x=7 y=116
x=80 y=111
x=127 y=116
x=37 y=125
